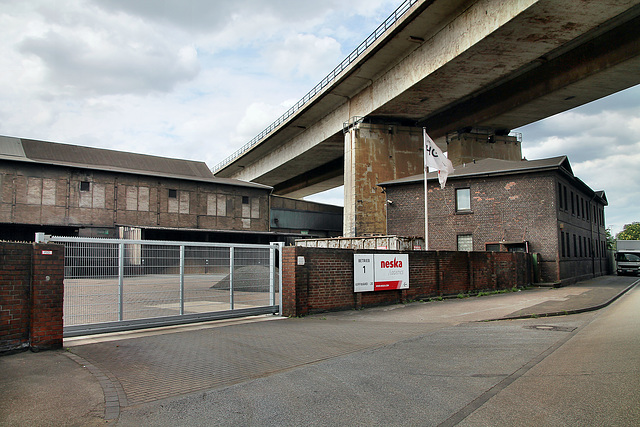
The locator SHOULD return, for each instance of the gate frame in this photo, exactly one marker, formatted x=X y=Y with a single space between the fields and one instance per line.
x=180 y=319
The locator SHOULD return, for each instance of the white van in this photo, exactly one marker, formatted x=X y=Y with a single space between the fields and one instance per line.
x=628 y=257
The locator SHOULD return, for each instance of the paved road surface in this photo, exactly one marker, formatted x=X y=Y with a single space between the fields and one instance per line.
x=416 y=364
x=591 y=379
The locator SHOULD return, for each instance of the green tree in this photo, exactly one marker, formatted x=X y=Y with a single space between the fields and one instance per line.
x=611 y=242
x=629 y=232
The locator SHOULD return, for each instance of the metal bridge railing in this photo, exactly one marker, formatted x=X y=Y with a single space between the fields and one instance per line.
x=330 y=78
x=112 y=284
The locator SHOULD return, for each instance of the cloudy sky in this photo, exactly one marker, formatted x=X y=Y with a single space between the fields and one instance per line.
x=199 y=79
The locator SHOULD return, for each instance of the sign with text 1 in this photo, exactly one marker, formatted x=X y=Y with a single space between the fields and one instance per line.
x=363 y=273
x=380 y=272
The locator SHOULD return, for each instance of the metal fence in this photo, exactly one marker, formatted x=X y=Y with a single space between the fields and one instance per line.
x=113 y=285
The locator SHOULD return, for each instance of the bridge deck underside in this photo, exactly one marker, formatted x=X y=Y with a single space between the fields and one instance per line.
x=477 y=64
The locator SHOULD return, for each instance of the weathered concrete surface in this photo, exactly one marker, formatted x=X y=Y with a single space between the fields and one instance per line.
x=467 y=147
x=374 y=154
x=47 y=389
x=449 y=64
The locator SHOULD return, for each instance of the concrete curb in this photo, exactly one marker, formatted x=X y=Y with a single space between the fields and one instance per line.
x=567 y=312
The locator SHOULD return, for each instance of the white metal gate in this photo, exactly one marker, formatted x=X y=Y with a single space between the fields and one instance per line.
x=115 y=284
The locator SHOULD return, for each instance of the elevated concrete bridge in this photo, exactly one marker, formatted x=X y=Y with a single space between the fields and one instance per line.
x=467 y=70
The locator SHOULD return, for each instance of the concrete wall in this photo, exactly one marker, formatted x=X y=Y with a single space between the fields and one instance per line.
x=325 y=281
x=467 y=147
x=31 y=296
x=374 y=154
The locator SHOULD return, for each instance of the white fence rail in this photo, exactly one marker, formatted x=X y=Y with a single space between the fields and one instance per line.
x=114 y=284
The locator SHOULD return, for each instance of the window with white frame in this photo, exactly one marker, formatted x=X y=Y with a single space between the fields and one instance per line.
x=463 y=200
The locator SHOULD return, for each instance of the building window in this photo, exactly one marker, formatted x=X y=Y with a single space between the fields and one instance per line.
x=564 y=195
x=463 y=200
x=492 y=247
x=246 y=208
x=564 y=252
x=465 y=242
x=580 y=246
x=85 y=186
x=575 y=246
x=578 y=200
x=173 y=194
x=587 y=210
x=560 y=205
x=573 y=205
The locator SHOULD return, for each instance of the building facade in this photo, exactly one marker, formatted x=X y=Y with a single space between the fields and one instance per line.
x=499 y=205
x=70 y=190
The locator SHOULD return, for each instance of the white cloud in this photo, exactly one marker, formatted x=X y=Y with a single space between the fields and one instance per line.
x=107 y=55
x=335 y=197
x=257 y=117
x=304 y=56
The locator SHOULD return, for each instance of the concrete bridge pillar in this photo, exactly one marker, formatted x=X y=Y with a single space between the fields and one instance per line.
x=465 y=147
x=376 y=153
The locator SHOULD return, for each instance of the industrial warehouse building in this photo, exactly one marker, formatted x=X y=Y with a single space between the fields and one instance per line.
x=70 y=190
x=536 y=206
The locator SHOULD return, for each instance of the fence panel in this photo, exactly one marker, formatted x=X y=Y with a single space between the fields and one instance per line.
x=113 y=285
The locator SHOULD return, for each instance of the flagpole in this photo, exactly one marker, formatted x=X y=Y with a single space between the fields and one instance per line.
x=426 y=216
x=433 y=157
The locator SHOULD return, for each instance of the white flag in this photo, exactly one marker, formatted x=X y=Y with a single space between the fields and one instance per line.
x=434 y=158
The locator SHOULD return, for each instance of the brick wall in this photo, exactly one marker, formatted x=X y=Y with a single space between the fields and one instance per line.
x=506 y=208
x=15 y=280
x=325 y=280
x=31 y=296
x=51 y=195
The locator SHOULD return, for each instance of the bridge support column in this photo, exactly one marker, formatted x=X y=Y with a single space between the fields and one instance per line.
x=376 y=153
x=466 y=147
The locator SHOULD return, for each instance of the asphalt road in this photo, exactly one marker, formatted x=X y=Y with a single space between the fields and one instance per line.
x=582 y=369
x=591 y=379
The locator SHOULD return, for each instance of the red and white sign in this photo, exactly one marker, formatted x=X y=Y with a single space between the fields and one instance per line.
x=380 y=272
x=391 y=272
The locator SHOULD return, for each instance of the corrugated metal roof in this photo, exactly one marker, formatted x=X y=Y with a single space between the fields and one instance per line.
x=53 y=153
x=11 y=147
x=88 y=156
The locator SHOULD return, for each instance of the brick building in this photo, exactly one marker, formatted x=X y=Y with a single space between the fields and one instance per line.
x=536 y=206
x=70 y=190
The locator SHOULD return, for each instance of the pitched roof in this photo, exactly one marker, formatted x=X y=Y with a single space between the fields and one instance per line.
x=486 y=167
x=496 y=167
x=52 y=153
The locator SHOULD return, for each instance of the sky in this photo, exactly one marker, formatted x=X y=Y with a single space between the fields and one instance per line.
x=199 y=79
